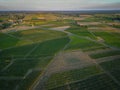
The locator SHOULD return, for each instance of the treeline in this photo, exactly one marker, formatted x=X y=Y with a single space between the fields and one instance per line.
x=7 y=20
x=5 y=25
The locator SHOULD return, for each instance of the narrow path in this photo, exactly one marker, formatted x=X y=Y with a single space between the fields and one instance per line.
x=8 y=66
x=18 y=28
x=109 y=58
x=77 y=81
x=98 y=51
x=39 y=83
x=17 y=37
x=107 y=72
x=33 y=49
x=17 y=86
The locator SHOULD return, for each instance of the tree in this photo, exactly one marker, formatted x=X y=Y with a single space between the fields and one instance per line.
x=6 y=25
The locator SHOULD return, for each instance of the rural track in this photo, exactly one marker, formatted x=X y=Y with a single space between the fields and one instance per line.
x=17 y=37
x=45 y=75
x=8 y=66
x=20 y=28
x=39 y=83
x=107 y=72
x=77 y=81
x=88 y=38
x=109 y=58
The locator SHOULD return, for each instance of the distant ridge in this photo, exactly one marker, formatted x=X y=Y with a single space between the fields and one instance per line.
x=67 y=12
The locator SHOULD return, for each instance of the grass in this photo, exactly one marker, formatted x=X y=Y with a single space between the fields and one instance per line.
x=4 y=62
x=21 y=66
x=27 y=37
x=105 y=54
x=59 y=23
x=8 y=84
x=38 y=35
x=32 y=50
x=50 y=47
x=45 y=49
x=20 y=51
x=81 y=31
x=94 y=48
x=111 y=38
x=113 y=67
x=27 y=82
x=7 y=41
x=116 y=26
x=22 y=84
x=81 y=43
x=116 y=74
x=63 y=78
x=98 y=82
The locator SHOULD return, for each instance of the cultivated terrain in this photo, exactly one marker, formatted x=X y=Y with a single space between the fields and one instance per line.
x=57 y=51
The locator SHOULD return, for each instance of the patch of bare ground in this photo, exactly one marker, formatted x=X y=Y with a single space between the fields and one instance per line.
x=105 y=28
x=99 y=39
x=104 y=59
x=18 y=28
x=70 y=60
x=88 y=23
x=62 y=28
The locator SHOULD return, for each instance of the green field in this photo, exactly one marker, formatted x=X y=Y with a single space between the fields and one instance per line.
x=105 y=54
x=50 y=47
x=40 y=57
x=23 y=59
x=43 y=49
x=27 y=37
x=60 y=79
x=21 y=67
x=82 y=43
x=81 y=31
x=98 y=82
x=38 y=35
x=7 y=41
x=111 y=38
x=10 y=84
x=28 y=81
x=113 y=67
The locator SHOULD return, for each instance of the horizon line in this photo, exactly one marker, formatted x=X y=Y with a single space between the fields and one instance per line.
x=67 y=10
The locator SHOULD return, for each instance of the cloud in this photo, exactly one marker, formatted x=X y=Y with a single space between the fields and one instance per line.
x=107 y=6
x=58 y=4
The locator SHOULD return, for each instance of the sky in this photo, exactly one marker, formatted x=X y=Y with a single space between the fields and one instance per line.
x=62 y=5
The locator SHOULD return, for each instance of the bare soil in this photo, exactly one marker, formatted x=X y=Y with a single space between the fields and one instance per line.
x=70 y=60
x=62 y=28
